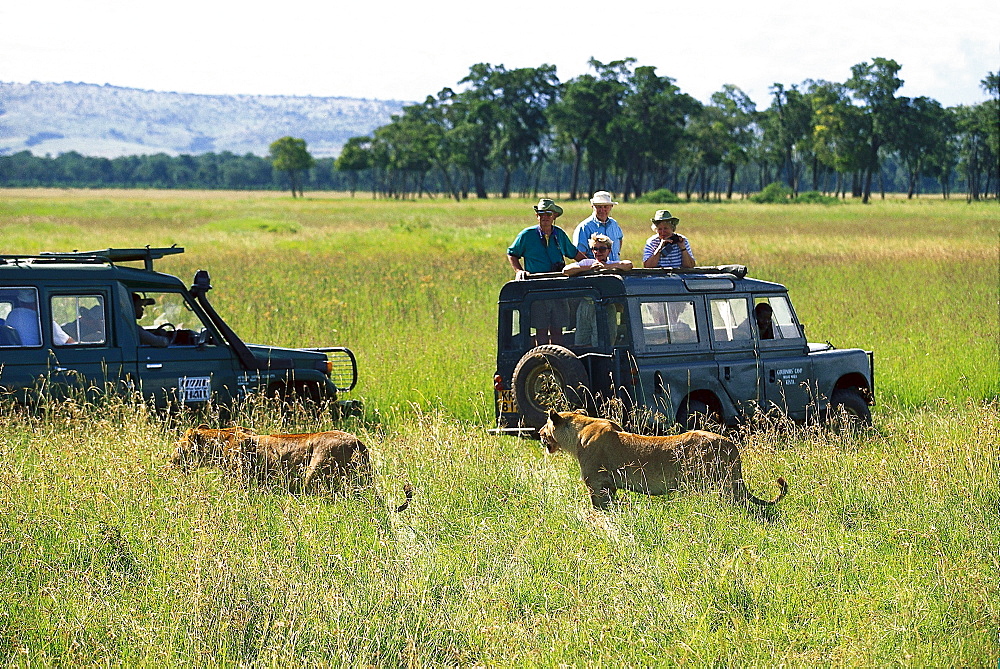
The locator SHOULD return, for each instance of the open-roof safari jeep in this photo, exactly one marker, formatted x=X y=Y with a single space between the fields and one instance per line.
x=82 y=322
x=659 y=347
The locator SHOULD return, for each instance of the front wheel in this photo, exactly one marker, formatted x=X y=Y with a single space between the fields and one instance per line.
x=695 y=414
x=549 y=377
x=848 y=411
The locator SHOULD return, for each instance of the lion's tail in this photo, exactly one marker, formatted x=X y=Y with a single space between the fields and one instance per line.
x=408 y=491
x=743 y=496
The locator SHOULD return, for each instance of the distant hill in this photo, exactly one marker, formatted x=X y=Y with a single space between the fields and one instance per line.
x=111 y=121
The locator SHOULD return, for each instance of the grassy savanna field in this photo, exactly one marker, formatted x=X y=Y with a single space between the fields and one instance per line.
x=886 y=550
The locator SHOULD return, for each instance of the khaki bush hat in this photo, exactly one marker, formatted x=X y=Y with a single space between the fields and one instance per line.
x=545 y=204
x=602 y=197
x=664 y=215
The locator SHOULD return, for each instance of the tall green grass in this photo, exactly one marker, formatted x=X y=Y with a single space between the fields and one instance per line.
x=884 y=552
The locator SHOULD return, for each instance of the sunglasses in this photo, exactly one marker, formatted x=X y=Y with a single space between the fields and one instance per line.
x=602 y=248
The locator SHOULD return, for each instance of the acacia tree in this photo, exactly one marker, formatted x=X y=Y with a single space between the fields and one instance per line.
x=923 y=125
x=649 y=127
x=354 y=158
x=738 y=116
x=508 y=107
x=787 y=124
x=583 y=112
x=875 y=84
x=289 y=154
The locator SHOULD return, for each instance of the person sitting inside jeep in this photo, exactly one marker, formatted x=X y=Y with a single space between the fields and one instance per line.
x=146 y=337
x=765 y=326
x=24 y=319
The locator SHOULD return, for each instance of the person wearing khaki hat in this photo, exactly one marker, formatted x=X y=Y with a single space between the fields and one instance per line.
x=599 y=223
x=543 y=246
x=666 y=248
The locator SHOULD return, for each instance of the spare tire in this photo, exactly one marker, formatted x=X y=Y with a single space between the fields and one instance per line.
x=549 y=377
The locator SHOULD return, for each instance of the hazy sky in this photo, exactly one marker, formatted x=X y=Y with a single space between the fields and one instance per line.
x=408 y=50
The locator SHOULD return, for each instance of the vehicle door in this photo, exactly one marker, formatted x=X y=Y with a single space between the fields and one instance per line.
x=673 y=355
x=786 y=367
x=85 y=356
x=24 y=355
x=739 y=368
x=180 y=358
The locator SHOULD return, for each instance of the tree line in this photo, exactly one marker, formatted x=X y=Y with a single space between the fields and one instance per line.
x=620 y=127
x=625 y=128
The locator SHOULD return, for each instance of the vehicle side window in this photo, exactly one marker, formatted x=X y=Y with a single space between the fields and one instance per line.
x=81 y=318
x=551 y=320
x=775 y=319
x=510 y=328
x=730 y=320
x=170 y=315
x=586 y=315
x=19 y=321
x=668 y=323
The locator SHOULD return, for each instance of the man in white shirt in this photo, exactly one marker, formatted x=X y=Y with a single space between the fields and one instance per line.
x=601 y=223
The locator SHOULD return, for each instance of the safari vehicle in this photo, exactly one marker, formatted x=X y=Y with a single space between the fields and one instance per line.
x=83 y=321
x=667 y=347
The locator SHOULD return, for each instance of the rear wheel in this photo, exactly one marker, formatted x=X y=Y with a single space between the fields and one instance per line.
x=549 y=377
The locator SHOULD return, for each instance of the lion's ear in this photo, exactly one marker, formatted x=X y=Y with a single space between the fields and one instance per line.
x=582 y=412
x=555 y=417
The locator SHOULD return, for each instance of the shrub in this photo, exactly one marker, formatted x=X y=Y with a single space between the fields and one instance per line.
x=658 y=196
x=774 y=193
x=815 y=197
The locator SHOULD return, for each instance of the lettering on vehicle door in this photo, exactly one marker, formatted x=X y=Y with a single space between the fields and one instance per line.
x=789 y=376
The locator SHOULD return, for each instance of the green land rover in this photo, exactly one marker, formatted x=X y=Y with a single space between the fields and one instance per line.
x=667 y=347
x=85 y=322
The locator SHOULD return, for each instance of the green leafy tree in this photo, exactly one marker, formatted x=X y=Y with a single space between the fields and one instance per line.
x=875 y=84
x=508 y=108
x=923 y=124
x=838 y=131
x=649 y=128
x=739 y=117
x=787 y=125
x=289 y=154
x=583 y=112
x=354 y=158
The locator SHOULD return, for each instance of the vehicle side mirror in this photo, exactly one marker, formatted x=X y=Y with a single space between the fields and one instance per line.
x=202 y=282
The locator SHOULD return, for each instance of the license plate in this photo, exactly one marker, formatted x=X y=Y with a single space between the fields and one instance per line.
x=506 y=402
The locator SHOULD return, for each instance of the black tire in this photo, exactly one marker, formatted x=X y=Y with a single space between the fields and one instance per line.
x=698 y=415
x=549 y=377
x=848 y=411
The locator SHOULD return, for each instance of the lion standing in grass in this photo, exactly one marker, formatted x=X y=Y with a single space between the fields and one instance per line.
x=304 y=462
x=611 y=459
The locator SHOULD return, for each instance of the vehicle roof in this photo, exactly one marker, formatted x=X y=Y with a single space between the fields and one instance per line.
x=88 y=266
x=726 y=279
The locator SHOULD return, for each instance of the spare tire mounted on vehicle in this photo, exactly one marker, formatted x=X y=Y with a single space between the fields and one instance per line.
x=549 y=377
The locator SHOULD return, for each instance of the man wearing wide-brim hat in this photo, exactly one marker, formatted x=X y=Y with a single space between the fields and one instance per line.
x=599 y=223
x=544 y=246
x=666 y=248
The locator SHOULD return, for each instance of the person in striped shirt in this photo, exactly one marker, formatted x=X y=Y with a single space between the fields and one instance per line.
x=667 y=248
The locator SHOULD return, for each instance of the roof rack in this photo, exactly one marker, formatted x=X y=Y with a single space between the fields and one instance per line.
x=738 y=271
x=147 y=255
